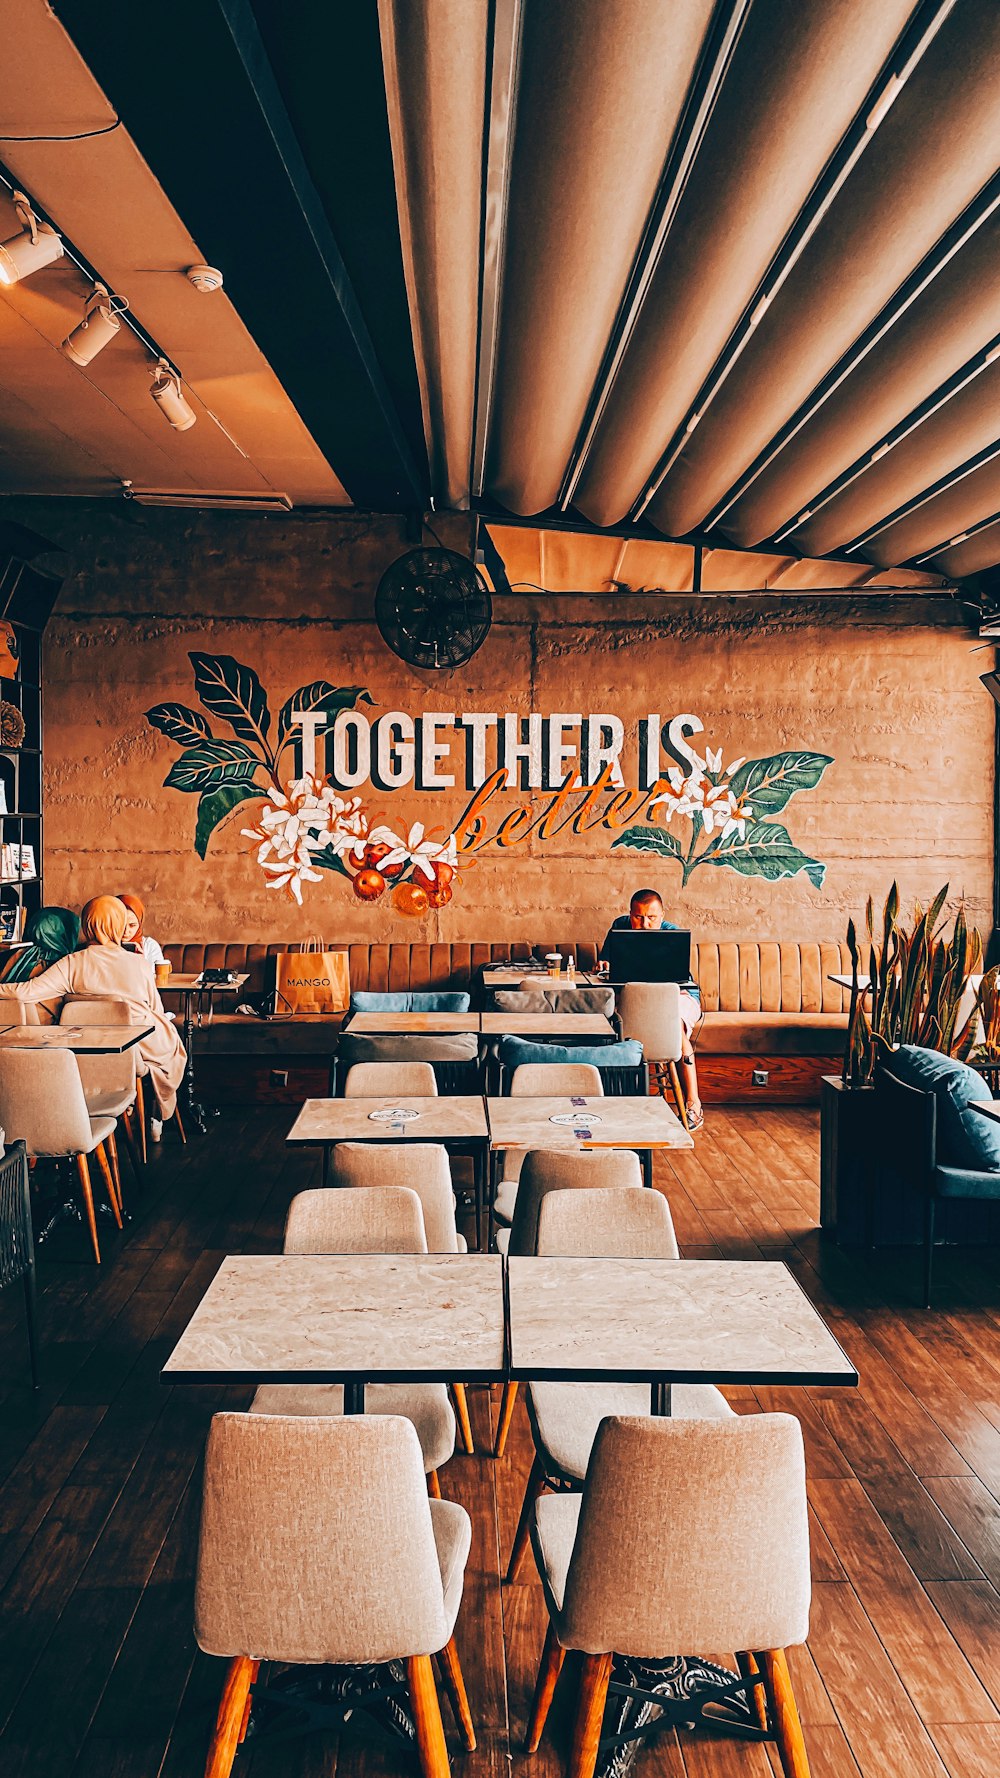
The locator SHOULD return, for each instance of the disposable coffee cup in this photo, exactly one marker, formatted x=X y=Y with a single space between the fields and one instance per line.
x=163 y=972
x=553 y=961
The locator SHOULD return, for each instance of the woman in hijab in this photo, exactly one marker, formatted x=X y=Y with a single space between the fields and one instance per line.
x=51 y=933
x=103 y=970
x=136 y=938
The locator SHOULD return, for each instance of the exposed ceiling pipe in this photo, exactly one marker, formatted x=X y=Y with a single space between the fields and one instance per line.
x=905 y=59
x=933 y=264
x=498 y=151
x=713 y=66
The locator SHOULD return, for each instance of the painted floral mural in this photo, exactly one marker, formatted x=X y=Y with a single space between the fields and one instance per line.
x=707 y=812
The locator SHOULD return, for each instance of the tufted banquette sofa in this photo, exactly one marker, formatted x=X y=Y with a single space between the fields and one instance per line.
x=770 y=1007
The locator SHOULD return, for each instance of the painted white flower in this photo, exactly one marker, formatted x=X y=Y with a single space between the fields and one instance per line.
x=675 y=800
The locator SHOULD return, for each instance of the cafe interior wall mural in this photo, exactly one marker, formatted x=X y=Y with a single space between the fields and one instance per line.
x=686 y=804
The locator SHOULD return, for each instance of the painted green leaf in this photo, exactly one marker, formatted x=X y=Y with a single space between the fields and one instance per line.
x=212 y=763
x=768 y=783
x=233 y=691
x=649 y=839
x=179 y=723
x=215 y=805
x=320 y=695
x=328 y=859
x=766 y=850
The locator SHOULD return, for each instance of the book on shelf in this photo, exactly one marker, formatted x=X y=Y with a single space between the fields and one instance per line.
x=17 y=863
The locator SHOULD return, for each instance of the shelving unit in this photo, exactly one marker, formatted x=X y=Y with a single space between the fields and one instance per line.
x=27 y=595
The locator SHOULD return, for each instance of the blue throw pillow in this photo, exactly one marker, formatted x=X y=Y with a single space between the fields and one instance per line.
x=514 y=1051
x=965 y=1139
x=407 y=1002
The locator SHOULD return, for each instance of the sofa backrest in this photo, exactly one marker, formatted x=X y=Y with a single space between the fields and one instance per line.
x=735 y=975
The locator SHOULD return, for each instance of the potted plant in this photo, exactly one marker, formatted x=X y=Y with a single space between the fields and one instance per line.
x=910 y=992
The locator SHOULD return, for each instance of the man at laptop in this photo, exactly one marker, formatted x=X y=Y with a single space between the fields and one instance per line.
x=645 y=914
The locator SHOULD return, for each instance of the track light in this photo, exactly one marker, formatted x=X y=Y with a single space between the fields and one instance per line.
x=97 y=329
x=36 y=246
x=169 y=397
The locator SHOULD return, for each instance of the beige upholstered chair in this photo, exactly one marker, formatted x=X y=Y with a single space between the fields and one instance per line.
x=564 y=1417
x=42 y=1103
x=319 y=1545
x=369 y=1219
x=110 y=1083
x=651 y=1013
x=717 y=1510
x=422 y=1167
x=555 y=999
x=546 y=1172
x=422 y=1170
x=378 y=1080
x=609 y=1221
x=536 y=1080
x=95 y=1010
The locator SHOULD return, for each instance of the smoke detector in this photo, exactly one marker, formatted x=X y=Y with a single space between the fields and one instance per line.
x=205 y=278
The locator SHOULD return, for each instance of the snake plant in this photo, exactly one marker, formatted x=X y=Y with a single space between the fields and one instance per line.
x=907 y=984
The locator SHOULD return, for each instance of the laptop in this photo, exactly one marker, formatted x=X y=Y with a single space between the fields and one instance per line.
x=649 y=956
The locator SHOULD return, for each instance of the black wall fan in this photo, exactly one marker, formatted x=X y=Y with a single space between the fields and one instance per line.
x=433 y=608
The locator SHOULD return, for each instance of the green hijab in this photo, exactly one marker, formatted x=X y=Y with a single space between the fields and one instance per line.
x=52 y=933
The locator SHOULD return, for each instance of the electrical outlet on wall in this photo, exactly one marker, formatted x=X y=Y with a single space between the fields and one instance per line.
x=760 y=1077
x=279 y=1077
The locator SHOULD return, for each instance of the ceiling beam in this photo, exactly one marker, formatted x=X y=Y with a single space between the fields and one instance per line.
x=498 y=151
x=959 y=474
x=717 y=54
x=907 y=55
x=931 y=266
x=193 y=84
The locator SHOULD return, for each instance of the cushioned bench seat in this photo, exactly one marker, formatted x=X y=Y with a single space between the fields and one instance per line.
x=773 y=1033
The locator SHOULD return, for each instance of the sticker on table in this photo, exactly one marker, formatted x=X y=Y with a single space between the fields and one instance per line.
x=573 y=1117
x=400 y=1115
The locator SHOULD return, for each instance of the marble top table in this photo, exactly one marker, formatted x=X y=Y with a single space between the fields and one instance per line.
x=667 y=1321
x=987 y=1108
x=83 y=1040
x=635 y=1121
x=546 y=1024
x=347 y=1319
x=182 y=982
x=373 y=1023
x=430 y=1119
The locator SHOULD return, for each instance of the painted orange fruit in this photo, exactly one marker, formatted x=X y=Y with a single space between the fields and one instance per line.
x=410 y=899
x=374 y=854
x=440 y=896
x=369 y=885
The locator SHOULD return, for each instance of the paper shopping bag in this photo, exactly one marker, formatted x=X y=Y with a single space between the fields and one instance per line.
x=311 y=981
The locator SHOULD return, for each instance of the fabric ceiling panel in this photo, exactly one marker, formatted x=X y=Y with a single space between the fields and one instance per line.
x=799 y=75
x=597 y=107
x=945 y=329
x=945 y=515
x=661 y=567
x=935 y=150
x=733 y=571
x=571 y=561
x=435 y=81
x=979 y=553
x=957 y=432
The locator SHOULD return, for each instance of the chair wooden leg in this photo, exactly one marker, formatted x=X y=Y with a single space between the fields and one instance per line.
x=458 y=1696
x=595 y=1677
x=140 y=1107
x=756 y=1695
x=109 y=1183
x=549 y=1669
x=88 y=1202
x=249 y=1703
x=426 y=1718
x=679 y=1099
x=180 y=1126
x=433 y=1485
x=130 y=1132
x=504 y=1419
x=229 y=1722
x=785 y=1722
x=116 y=1170
x=461 y=1401
x=535 y=1486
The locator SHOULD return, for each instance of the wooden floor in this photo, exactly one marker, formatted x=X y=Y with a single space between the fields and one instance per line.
x=99 y=1677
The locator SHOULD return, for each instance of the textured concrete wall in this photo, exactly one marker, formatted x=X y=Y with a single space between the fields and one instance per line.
x=894 y=698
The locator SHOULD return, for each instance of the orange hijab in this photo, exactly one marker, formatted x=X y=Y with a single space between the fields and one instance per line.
x=135 y=907
x=103 y=921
